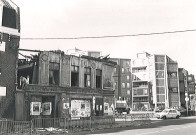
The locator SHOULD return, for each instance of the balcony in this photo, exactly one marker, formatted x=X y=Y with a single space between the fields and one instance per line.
x=140 y=86
x=140 y=99
x=172 y=67
x=173 y=82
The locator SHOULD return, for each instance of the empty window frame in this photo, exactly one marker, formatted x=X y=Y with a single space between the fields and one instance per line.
x=9 y=17
x=98 y=78
x=87 y=77
x=74 y=75
x=54 y=73
x=128 y=85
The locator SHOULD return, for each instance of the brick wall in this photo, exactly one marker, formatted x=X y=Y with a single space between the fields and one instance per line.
x=8 y=76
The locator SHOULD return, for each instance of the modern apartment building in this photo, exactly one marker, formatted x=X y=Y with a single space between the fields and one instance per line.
x=166 y=92
x=155 y=81
x=191 y=84
x=141 y=84
x=183 y=76
x=123 y=81
x=9 y=44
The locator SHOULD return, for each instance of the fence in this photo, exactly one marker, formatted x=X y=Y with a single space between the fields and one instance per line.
x=62 y=125
x=134 y=117
x=54 y=125
x=9 y=126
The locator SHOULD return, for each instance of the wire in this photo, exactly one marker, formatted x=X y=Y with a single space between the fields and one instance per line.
x=114 y=36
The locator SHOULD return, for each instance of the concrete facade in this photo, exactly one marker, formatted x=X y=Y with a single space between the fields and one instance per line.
x=141 y=84
x=166 y=89
x=155 y=81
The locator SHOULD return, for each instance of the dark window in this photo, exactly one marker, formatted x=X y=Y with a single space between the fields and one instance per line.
x=172 y=75
x=54 y=74
x=9 y=17
x=98 y=78
x=159 y=74
x=74 y=76
x=87 y=77
x=173 y=90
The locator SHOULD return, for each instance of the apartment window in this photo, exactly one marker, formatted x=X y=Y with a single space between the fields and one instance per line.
x=128 y=70
x=172 y=75
x=87 y=77
x=123 y=85
x=98 y=78
x=134 y=92
x=128 y=92
x=127 y=77
x=142 y=69
x=134 y=77
x=54 y=73
x=74 y=75
x=145 y=91
x=173 y=90
x=128 y=85
x=159 y=74
x=123 y=70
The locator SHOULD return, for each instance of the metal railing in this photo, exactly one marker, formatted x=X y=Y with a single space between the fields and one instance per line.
x=134 y=117
x=54 y=125
x=9 y=126
x=64 y=125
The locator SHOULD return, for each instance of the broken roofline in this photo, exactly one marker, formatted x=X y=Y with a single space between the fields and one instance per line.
x=83 y=56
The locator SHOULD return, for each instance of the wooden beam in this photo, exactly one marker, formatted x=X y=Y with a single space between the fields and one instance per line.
x=28 y=50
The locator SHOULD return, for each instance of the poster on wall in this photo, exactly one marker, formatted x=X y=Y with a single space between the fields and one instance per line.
x=75 y=108
x=80 y=108
x=65 y=105
x=35 y=108
x=47 y=108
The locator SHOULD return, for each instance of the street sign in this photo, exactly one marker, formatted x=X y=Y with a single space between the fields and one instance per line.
x=186 y=99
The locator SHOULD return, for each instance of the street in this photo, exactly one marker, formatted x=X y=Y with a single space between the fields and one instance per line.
x=181 y=126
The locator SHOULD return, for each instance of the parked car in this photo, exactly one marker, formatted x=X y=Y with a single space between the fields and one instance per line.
x=168 y=113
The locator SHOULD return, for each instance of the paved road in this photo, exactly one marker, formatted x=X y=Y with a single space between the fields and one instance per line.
x=182 y=126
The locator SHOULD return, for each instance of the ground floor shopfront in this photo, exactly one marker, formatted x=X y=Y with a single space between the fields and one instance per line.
x=57 y=102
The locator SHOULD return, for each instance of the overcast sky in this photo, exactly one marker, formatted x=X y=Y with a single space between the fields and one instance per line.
x=81 y=18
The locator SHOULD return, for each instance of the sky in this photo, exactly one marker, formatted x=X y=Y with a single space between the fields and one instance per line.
x=84 y=18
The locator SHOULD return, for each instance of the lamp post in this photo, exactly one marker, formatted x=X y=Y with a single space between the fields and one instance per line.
x=186 y=99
